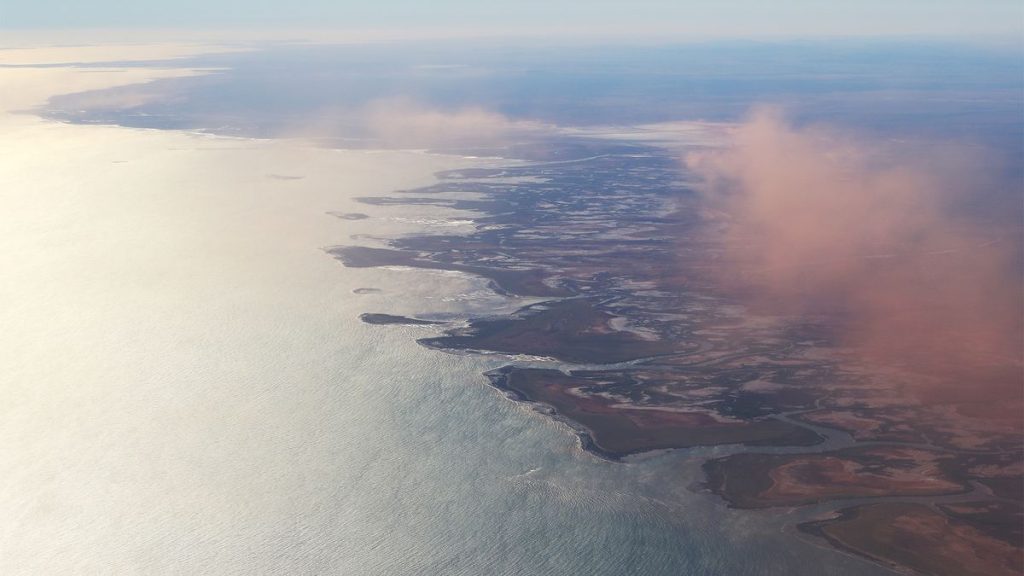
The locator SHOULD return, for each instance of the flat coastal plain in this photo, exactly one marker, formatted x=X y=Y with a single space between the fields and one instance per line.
x=636 y=347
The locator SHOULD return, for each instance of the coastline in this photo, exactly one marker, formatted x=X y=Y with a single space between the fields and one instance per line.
x=747 y=375
x=614 y=284
x=188 y=386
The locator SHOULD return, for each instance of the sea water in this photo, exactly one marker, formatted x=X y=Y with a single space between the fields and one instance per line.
x=187 y=388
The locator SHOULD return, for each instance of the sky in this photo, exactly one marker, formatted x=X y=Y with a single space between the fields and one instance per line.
x=696 y=18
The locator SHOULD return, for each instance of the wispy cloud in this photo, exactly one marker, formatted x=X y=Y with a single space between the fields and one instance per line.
x=404 y=123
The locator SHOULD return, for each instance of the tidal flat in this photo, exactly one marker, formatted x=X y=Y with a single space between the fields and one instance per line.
x=643 y=351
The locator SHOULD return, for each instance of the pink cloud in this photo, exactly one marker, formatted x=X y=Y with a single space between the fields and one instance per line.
x=876 y=237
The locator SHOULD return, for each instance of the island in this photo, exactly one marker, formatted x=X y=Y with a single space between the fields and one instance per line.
x=384 y=319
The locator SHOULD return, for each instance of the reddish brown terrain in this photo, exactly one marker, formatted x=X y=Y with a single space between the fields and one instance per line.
x=648 y=350
x=924 y=538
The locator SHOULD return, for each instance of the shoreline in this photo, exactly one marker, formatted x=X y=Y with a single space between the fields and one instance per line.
x=184 y=368
x=594 y=232
x=590 y=326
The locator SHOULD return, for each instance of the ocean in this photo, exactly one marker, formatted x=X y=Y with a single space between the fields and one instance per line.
x=188 y=388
